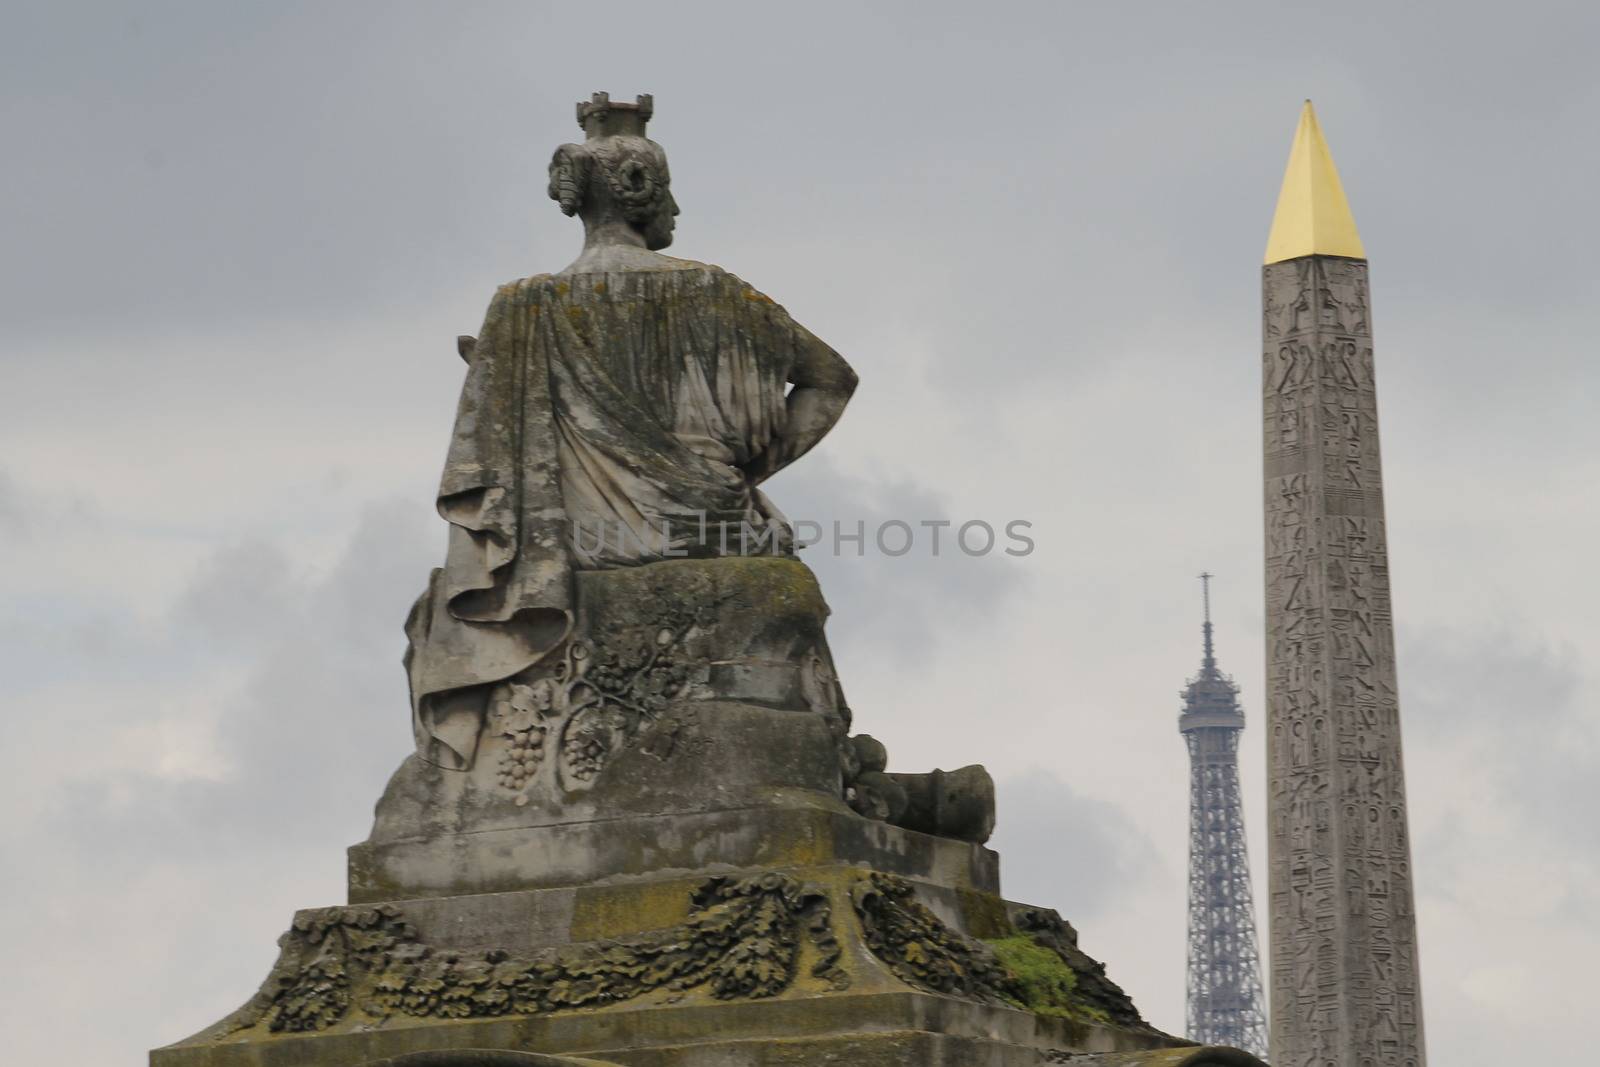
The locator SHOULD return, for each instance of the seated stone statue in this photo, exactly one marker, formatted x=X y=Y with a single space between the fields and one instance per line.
x=620 y=623
x=622 y=411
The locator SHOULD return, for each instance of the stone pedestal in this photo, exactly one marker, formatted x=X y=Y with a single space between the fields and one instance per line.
x=788 y=965
x=658 y=858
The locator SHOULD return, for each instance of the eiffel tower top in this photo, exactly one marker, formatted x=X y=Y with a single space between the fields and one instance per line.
x=1313 y=216
x=1211 y=698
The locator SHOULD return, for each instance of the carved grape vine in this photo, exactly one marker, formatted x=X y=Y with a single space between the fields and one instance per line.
x=599 y=695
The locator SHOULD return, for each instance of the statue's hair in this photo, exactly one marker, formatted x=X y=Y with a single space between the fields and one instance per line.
x=633 y=169
x=569 y=175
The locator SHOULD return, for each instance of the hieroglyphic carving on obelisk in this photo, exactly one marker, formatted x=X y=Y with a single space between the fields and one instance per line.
x=1344 y=978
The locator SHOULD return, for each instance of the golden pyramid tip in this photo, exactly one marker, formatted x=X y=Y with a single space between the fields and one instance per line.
x=1313 y=217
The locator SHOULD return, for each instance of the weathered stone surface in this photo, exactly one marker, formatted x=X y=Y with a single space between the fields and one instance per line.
x=864 y=1050
x=1345 y=987
x=764 y=969
x=621 y=412
x=883 y=1030
x=1176 y=1057
x=693 y=723
x=483 y=1058
x=787 y=833
x=958 y=803
x=685 y=685
x=741 y=938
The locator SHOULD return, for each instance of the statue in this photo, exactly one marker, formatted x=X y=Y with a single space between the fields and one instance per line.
x=619 y=416
x=622 y=411
x=637 y=828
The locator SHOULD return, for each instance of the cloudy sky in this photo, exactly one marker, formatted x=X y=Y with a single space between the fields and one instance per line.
x=238 y=243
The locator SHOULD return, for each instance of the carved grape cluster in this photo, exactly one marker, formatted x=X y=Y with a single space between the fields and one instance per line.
x=589 y=739
x=521 y=714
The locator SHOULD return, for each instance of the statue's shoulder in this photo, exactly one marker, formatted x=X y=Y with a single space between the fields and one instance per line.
x=732 y=284
x=655 y=276
x=522 y=290
x=625 y=259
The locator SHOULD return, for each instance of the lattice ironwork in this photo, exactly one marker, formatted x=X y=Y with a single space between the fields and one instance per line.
x=1224 y=969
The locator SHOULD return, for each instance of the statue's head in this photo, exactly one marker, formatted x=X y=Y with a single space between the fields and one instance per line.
x=617 y=174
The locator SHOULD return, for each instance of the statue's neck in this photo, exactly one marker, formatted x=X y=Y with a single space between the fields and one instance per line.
x=598 y=233
x=610 y=245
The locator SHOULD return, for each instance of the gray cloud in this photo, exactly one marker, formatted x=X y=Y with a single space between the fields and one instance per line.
x=314 y=720
x=13 y=515
x=290 y=754
x=1496 y=691
x=1063 y=850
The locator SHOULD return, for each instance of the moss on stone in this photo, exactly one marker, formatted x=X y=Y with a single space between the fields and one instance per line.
x=1049 y=985
x=601 y=911
x=984 y=914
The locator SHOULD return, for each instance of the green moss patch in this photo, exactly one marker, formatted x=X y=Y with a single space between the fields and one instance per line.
x=1049 y=986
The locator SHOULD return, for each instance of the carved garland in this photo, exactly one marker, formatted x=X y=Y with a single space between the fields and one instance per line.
x=742 y=939
x=922 y=951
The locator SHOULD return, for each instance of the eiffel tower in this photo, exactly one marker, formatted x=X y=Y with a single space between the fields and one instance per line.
x=1224 y=972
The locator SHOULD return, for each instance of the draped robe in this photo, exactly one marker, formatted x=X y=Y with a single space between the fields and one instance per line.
x=607 y=419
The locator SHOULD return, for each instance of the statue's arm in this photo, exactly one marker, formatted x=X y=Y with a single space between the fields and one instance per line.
x=822 y=385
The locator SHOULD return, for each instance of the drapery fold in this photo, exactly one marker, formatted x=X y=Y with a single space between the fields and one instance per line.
x=606 y=420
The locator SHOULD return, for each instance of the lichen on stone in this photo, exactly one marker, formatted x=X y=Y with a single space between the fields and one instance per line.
x=742 y=939
x=922 y=951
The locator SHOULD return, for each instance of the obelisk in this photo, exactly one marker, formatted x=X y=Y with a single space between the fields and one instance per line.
x=1345 y=990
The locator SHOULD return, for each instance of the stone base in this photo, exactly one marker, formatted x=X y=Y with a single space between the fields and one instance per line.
x=810 y=830
x=883 y=1030
x=801 y=965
